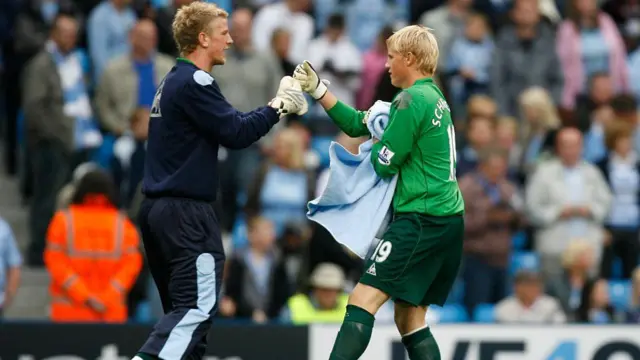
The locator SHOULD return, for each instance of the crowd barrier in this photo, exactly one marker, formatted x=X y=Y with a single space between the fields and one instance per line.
x=35 y=341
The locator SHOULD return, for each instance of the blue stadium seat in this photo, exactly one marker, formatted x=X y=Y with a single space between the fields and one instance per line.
x=524 y=260
x=620 y=293
x=616 y=268
x=143 y=313
x=239 y=233
x=484 y=313
x=519 y=240
x=452 y=313
x=457 y=293
x=320 y=144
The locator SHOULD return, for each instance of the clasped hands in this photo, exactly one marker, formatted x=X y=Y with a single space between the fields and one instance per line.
x=290 y=98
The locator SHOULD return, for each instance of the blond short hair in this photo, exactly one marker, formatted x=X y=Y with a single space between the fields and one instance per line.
x=419 y=41
x=573 y=252
x=190 y=21
x=540 y=98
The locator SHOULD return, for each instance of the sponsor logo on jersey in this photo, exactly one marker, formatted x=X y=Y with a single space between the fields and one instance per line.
x=385 y=155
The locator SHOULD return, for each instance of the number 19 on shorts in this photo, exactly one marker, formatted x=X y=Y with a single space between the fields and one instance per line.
x=382 y=252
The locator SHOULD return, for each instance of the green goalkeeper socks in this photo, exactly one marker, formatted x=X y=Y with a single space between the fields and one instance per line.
x=354 y=334
x=421 y=345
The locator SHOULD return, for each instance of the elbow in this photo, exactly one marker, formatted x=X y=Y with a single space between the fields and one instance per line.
x=384 y=173
x=236 y=144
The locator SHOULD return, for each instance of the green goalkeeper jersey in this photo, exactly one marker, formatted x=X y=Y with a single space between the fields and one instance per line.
x=418 y=144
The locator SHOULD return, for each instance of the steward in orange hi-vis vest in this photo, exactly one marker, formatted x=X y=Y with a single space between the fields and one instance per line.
x=92 y=254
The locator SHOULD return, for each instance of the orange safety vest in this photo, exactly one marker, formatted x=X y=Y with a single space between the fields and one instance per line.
x=92 y=252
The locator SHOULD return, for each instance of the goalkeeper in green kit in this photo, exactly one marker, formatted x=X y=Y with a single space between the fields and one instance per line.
x=416 y=262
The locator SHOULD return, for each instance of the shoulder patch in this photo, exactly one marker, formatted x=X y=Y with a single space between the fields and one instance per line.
x=403 y=100
x=203 y=78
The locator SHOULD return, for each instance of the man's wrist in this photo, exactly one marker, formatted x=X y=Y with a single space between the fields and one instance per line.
x=320 y=91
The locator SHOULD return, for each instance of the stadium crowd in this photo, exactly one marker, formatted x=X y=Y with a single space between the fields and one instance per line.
x=545 y=96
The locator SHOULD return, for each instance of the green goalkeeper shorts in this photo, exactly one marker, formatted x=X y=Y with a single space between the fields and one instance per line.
x=417 y=260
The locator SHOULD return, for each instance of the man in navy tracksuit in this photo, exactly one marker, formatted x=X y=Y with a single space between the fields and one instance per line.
x=190 y=118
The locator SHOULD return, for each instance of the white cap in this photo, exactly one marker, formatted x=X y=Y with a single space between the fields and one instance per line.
x=328 y=276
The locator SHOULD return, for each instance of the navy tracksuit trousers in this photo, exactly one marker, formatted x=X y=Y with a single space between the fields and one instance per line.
x=185 y=255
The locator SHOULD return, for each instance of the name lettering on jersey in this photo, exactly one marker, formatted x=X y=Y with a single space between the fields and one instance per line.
x=385 y=155
x=441 y=107
x=155 y=107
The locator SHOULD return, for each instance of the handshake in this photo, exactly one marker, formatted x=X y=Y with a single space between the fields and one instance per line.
x=290 y=98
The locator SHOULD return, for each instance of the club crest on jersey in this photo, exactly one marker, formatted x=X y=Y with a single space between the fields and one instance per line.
x=385 y=155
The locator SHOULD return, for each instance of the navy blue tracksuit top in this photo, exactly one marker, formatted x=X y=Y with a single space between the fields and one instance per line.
x=190 y=119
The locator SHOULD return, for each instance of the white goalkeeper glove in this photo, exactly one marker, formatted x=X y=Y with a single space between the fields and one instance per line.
x=289 y=98
x=310 y=81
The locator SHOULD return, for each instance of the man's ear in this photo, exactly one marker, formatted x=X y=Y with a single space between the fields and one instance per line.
x=203 y=39
x=409 y=59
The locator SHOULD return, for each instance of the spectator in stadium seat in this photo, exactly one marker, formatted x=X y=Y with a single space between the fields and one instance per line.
x=480 y=134
x=294 y=246
x=469 y=60
x=506 y=137
x=257 y=286
x=10 y=264
x=447 y=22
x=283 y=186
x=632 y=316
x=492 y=216
x=290 y=14
x=577 y=263
x=625 y=108
x=60 y=126
x=589 y=42
x=566 y=198
x=337 y=59
x=524 y=57
x=31 y=29
x=164 y=20
x=326 y=302
x=128 y=84
x=250 y=76
x=592 y=102
x=92 y=255
x=595 y=307
x=108 y=32
x=373 y=67
x=280 y=45
x=528 y=304
x=540 y=124
x=621 y=170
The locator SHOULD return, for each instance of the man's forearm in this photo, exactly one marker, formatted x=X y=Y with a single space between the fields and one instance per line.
x=347 y=118
x=328 y=101
x=13 y=281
